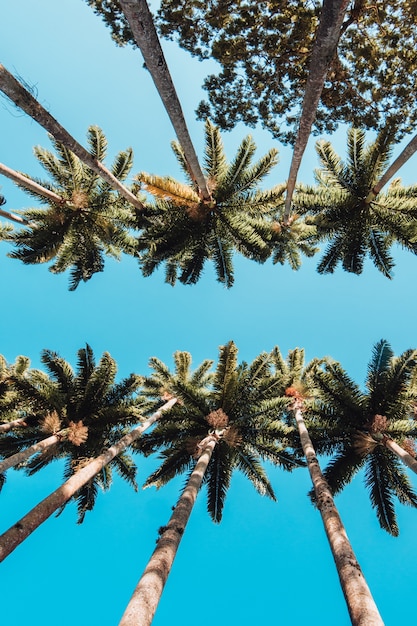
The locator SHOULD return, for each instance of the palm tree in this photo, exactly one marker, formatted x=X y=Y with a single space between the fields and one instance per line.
x=296 y=386
x=142 y=26
x=210 y=433
x=368 y=426
x=159 y=389
x=24 y=100
x=184 y=230
x=328 y=34
x=346 y=213
x=84 y=219
x=84 y=412
x=81 y=479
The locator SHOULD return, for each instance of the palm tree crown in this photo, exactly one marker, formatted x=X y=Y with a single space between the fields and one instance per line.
x=239 y=411
x=91 y=221
x=357 y=424
x=356 y=223
x=88 y=410
x=184 y=229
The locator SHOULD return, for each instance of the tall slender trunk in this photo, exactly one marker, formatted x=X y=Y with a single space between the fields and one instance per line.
x=15 y=535
x=361 y=605
x=145 y=599
x=402 y=158
x=402 y=454
x=23 y=99
x=19 y=457
x=27 y=183
x=7 y=426
x=328 y=34
x=14 y=218
x=142 y=26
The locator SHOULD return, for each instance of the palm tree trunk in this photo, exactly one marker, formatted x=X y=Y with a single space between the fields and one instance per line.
x=145 y=599
x=27 y=183
x=15 y=535
x=361 y=606
x=19 y=457
x=142 y=26
x=14 y=218
x=402 y=454
x=23 y=99
x=402 y=158
x=328 y=34
x=4 y=428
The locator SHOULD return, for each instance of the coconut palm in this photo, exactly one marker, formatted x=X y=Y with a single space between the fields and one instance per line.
x=210 y=434
x=372 y=429
x=347 y=214
x=296 y=385
x=183 y=230
x=84 y=218
x=324 y=50
x=24 y=100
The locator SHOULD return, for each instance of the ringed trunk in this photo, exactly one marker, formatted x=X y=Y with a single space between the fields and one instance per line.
x=23 y=99
x=15 y=535
x=360 y=603
x=143 y=604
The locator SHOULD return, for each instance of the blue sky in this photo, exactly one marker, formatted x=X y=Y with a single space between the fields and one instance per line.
x=266 y=562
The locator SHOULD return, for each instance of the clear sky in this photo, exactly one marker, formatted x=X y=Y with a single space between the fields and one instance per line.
x=266 y=563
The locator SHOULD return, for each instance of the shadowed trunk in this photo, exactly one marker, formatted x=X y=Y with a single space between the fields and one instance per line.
x=142 y=26
x=15 y=535
x=361 y=606
x=145 y=599
x=4 y=428
x=328 y=34
x=24 y=100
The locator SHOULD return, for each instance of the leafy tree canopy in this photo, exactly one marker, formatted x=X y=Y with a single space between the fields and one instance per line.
x=263 y=49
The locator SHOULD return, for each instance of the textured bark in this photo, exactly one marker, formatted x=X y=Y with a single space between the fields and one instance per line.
x=14 y=536
x=402 y=454
x=361 y=605
x=328 y=34
x=23 y=99
x=29 y=184
x=145 y=599
x=19 y=457
x=142 y=26
x=4 y=428
x=402 y=158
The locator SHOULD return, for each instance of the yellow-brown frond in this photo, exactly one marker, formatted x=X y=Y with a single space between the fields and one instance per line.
x=168 y=189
